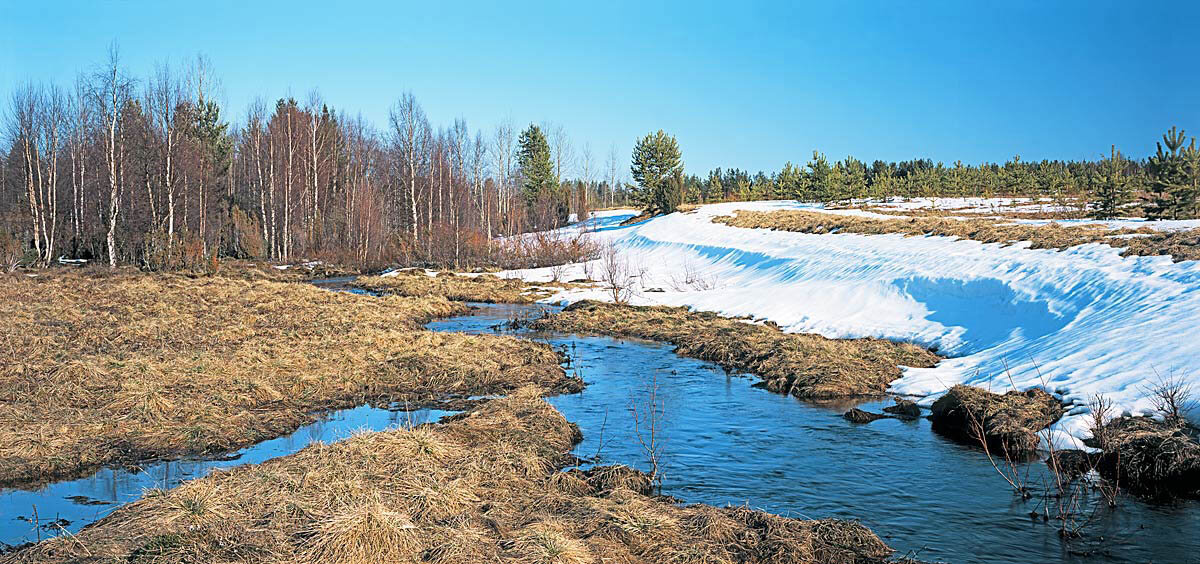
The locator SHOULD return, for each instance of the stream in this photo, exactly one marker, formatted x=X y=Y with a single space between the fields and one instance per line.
x=723 y=442
x=728 y=443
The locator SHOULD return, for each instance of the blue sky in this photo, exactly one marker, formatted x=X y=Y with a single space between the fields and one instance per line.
x=747 y=85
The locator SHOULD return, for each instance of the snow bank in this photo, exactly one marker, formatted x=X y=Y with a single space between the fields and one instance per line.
x=1080 y=321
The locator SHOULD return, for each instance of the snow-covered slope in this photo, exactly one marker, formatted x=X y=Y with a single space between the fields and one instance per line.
x=1080 y=321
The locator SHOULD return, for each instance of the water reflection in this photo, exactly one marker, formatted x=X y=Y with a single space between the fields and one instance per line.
x=728 y=443
x=72 y=504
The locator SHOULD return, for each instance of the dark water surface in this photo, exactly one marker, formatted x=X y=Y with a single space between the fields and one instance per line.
x=728 y=443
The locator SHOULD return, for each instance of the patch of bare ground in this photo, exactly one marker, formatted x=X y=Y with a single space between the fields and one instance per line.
x=975 y=212
x=1007 y=424
x=485 y=487
x=1179 y=245
x=485 y=288
x=803 y=365
x=123 y=368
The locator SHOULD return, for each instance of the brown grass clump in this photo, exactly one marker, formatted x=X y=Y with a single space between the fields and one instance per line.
x=1180 y=245
x=124 y=368
x=1151 y=458
x=803 y=365
x=349 y=502
x=485 y=288
x=1009 y=423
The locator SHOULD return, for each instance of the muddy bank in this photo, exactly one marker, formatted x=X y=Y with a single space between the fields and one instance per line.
x=1180 y=245
x=803 y=365
x=485 y=487
x=1004 y=423
x=483 y=288
x=121 y=369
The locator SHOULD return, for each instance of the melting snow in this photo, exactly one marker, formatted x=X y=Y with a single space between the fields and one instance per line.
x=1079 y=322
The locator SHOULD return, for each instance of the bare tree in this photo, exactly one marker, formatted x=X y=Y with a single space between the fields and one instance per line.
x=614 y=172
x=165 y=96
x=39 y=120
x=561 y=150
x=411 y=131
x=503 y=142
x=110 y=92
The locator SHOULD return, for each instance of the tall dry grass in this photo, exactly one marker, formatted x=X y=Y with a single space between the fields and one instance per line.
x=1180 y=245
x=482 y=488
x=484 y=288
x=803 y=365
x=120 y=368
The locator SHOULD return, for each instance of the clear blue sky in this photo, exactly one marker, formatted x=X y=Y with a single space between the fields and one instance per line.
x=749 y=85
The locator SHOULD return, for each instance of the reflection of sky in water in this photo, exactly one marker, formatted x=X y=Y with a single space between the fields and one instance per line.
x=88 y=499
x=727 y=443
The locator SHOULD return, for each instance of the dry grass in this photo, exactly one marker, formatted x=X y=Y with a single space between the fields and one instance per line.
x=1008 y=423
x=495 y=474
x=803 y=365
x=1151 y=458
x=123 y=368
x=1180 y=245
x=485 y=288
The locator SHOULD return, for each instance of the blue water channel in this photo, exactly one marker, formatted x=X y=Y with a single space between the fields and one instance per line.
x=725 y=442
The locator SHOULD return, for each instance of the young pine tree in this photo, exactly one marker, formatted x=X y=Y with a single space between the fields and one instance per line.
x=656 y=160
x=1110 y=186
x=1172 y=193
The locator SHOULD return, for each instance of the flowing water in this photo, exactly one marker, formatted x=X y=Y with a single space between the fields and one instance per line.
x=728 y=443
x=724 y=442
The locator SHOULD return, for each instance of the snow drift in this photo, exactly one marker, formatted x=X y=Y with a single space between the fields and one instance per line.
x=1078 y=322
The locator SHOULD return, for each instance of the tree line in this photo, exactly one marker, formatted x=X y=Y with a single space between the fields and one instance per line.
x=1165 y=185
x=153 y=172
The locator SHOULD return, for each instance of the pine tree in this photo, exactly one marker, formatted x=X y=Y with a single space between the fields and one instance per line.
x=656 y=159
x=1172 y=194
x=1110 y=186
x=537 y=170
x=817 y=183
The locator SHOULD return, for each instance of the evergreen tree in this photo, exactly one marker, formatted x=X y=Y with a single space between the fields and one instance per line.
x=816 y=185
x=1110 y=187
x=1173 y=195
x=713 y=189
x=540 y=187
x=656 y=159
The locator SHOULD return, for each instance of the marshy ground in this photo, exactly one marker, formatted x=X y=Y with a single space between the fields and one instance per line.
x=481 y=288
x=806 y=366
x=117 y=369
x=485 y=487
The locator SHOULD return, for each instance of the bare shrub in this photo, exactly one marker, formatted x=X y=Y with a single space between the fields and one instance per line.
x=10 y=251
x=1172 y=397
x=692 y=279
x=617 y=274
x=543 y=249
x=647 y=425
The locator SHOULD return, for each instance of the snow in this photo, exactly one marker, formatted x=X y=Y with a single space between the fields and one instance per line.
x=1077 y=322
x=973 y=208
